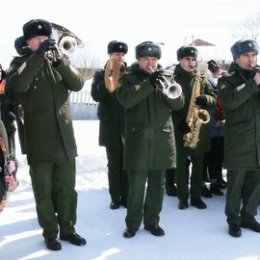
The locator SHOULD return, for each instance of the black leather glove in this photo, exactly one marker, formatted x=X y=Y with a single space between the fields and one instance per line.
x=201 y=101
x=155 y=77
x=58 y=56
x=44 y=46
x=183 y=127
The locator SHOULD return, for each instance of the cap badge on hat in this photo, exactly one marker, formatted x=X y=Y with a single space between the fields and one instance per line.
x=120 y=46
x=149 y=49
x=192 y=51
x=39 y=27
x=250 y=44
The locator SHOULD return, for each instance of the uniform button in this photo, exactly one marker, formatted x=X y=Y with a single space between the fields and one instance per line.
x=36 y=78
x=35 y=87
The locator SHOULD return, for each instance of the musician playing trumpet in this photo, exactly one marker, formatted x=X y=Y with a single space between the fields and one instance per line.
x=240 y=95
x=44 y=87
x=111 y=120
x=202 y=98
x=149 y=137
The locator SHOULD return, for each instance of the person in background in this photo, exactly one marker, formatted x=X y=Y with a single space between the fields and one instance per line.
x=8 y=166
x=213 y=160
x=149 y=138
x=44 y=78
x=240 y=95
x=185 y=76
x=111 y=126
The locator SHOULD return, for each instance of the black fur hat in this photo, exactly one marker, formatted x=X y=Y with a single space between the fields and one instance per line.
x=244 y=46
x=116 y=46
x=149 y=49
x=19 y=43
x=36 y=27
x=187 y=51
x=213 y=66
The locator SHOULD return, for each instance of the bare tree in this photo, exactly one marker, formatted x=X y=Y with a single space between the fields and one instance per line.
x=86 y=61
x=248 y=28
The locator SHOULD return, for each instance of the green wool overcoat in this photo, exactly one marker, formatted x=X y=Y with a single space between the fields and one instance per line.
x=186 y=80
x=241 y=102
x=110 y=113
x=44 y=92
x=149 y=136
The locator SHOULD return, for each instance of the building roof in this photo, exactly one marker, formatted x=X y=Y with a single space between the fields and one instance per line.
x=200 y=42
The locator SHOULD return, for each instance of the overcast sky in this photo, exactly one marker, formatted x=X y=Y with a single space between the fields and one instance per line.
x=100 y=21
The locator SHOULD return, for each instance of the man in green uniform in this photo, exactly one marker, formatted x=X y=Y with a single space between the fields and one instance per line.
x=240 y=95
x=44 y=83
x=185 y=76
x=111 y=127
x=149 y=138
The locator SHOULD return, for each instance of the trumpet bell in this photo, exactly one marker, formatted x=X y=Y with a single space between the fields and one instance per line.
x=173 y=91
x=67 y=44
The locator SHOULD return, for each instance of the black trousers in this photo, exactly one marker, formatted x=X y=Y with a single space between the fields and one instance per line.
x=117 y=176
x=213 y=160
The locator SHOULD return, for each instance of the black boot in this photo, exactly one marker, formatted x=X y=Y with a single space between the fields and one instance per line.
x=114 y=204
x=198 y=203
x=171 y=190
x=215 y=189
x=205 y=192
x=234 y=230
x=52 y=243
x=129 y=233
x=155 y=230
x=183 y=204
x=251 y=223
x=74 y=239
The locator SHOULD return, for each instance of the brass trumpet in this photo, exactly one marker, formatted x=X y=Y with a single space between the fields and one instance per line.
x=171 y=89
x=66 y=40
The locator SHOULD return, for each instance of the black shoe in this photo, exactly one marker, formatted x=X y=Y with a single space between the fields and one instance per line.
x=215 y=189
x=222 y=184
x=251 y=224
x=114 y=204
x=198 y=203
x=52 y=243
x=123 y=203
x=74 y=239
x=171 y=191
x=155 y=230
x=205 y=192
x=183 y=204
x=234 y=230
x=128 y=233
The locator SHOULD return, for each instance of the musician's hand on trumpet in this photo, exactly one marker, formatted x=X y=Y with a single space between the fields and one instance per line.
x=170 y=89
x=45 y=46
x=54 y=54
x=156 y=77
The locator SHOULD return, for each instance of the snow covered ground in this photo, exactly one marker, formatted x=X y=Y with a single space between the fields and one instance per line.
x=191 y=234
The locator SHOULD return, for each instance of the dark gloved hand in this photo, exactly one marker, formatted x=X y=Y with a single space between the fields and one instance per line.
x=183 y=127
x=155 y=77
x=58 y=56
x=201 y=101
x=44 y=46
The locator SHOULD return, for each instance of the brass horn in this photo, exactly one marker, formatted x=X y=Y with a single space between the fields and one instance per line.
x=112 y=74
x=67 y=44
x=171 y=89
x=67 y=40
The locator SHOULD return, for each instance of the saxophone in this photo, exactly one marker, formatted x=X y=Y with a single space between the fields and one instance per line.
x=196 y=116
